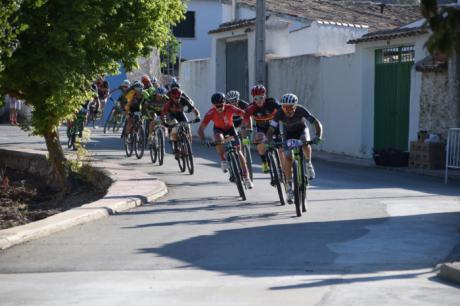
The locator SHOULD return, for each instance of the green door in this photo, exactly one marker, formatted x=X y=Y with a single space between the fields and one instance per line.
x=392 y=95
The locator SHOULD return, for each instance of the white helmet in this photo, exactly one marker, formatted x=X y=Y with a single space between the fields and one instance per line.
x=233 y=95
x=289 y=99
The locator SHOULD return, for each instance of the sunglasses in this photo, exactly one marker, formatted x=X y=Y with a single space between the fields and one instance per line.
x=259 y=98
x=219 y=105
x=288 y=108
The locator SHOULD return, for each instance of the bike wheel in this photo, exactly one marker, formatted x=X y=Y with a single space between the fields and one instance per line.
x=188 y=156
x=128 y=143
x=181 y=157
x=236 y=172
x=303 y=187
x=160 y=138
x=247 y=155
x=139 y=143
x=297 y=195
x=275 y=170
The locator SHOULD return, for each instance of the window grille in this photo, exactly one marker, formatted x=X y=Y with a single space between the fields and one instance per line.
x=395 y=55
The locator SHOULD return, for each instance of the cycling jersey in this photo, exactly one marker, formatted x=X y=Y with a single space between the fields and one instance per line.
x=177 y=107
x=155 y=105
x=295 y=123
x=238 y=120
x=133 y=101
x=262 y=115
x=222 y=120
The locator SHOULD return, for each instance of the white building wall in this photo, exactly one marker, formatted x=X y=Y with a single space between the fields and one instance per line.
x=195 y=78
x=324 y=39
x=208 y=16
x=323 y=85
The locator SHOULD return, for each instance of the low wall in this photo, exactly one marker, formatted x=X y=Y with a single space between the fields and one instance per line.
x=37 y=164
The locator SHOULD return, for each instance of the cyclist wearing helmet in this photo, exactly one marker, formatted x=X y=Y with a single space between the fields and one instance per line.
x=148 y=86
x=101 y=87
x=121 y=101
x=175 y=109
x=154 y=106
x=294 y=118
x=262 y=109
x=233 y=98
x=134 y=98
x=222 y=115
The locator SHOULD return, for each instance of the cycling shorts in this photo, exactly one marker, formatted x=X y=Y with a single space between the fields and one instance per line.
x=229 y=132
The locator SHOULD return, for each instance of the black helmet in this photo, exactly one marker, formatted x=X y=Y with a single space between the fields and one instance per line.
x=218 y=98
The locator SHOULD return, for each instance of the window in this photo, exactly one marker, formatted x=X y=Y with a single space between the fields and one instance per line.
x=186 y=29
x=395 y=55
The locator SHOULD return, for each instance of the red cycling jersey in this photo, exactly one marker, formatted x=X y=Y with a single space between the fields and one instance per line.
x=223 y=120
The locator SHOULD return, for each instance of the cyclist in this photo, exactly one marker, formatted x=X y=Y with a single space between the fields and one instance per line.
x=121 y=101
x=154 y=106
x=294 y=118
x=233 y=98
x=222 y=115
x=263 y=110
x=174 y=110
x=149 y=88
x=102 y=88
x=134 y=98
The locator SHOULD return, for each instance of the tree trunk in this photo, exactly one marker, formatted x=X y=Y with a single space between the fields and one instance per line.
x=57 y=158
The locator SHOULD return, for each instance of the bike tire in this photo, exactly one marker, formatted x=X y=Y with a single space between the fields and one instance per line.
x=275 y=169
x=247 y=155
x=153 y=151
x=189 y=156
x=139 y=143
x=161 y=145
x=234 y=169
x=297 y=195
x=181 y=160
x=303 y=186
x=128 y=145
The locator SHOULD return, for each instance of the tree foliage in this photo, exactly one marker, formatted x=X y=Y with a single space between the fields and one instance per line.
x=65 y=45
x=445 y=23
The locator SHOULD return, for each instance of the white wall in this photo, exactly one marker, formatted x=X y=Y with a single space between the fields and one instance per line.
x=324 y=39
x=208 y=16
x=323 y=85
x=194 y=77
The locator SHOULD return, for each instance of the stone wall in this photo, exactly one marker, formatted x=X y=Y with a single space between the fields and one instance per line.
x=439 y=101
x=147 y=65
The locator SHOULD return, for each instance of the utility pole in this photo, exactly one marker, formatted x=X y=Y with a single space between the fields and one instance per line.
x=260 y=71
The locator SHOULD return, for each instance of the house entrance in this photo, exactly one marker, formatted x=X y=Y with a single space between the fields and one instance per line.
x=391 y=96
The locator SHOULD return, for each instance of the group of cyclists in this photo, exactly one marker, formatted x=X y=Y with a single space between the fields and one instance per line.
x=230 y=113
x=232 y=117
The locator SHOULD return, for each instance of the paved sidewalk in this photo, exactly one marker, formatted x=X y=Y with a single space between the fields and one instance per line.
x=125 y=193
x=368 y=162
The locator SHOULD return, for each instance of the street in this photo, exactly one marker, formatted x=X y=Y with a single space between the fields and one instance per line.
x=371 y=236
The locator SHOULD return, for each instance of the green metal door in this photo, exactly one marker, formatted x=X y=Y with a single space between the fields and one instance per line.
x=392 y=95
x=237 y=67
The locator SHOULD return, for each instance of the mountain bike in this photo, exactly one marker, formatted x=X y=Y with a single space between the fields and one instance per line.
x=136 y=138
x=234 y=165
x=157 y=143
x=75 y=128
x=277 y=176
x=115 y=119
x=183 y=149
x=299 y=174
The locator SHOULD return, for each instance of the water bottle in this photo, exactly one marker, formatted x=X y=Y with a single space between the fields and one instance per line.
x=294 y=143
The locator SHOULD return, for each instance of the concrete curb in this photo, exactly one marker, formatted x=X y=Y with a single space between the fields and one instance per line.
x=125 y=193
x=450 y=272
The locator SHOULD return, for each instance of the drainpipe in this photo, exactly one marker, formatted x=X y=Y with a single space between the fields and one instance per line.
x=260 y=71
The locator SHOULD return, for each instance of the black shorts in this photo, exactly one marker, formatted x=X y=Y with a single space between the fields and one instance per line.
x=229 y=132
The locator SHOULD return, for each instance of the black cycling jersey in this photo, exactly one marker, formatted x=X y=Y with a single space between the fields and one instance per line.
x=238 y=120
x=296 y=122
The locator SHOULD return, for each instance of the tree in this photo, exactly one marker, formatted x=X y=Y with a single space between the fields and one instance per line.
x=445 y=24
x=67 y=44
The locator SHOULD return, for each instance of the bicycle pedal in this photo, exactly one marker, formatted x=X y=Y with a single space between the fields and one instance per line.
x=272 y=183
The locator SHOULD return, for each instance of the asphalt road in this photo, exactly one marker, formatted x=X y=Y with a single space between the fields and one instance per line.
x=371 y=236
